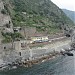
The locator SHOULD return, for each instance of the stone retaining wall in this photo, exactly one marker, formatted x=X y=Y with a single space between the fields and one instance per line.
x=29 y=54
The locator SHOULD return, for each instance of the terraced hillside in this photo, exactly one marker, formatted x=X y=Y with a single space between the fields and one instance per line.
x=42 y=14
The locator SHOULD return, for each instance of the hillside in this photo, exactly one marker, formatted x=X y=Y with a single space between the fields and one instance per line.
x=70 y=14
x=42 y=14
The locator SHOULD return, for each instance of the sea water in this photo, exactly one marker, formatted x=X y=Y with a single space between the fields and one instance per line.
x=63 y=65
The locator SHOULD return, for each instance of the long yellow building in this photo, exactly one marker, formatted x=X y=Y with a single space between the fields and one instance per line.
x=39 y=39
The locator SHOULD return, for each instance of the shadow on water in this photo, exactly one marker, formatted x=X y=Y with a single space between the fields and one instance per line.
x=63 y=65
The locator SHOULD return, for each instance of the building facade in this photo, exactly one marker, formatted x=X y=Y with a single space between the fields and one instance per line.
x=39 y=39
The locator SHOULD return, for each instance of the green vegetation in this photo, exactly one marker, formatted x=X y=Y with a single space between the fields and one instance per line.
x=42 y=14
x=70 y=14
x=9 y=37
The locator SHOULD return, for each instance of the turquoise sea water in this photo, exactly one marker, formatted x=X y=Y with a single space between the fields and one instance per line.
x=59 y=66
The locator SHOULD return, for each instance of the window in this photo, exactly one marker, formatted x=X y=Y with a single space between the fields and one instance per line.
x=22 y=45
x=20 y=53
x=4 y=47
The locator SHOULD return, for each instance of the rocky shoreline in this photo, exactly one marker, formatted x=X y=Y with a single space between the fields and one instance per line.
x=29 y=63
x=50 y=51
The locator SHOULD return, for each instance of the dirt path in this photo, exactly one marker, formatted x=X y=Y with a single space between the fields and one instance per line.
x=59 y=44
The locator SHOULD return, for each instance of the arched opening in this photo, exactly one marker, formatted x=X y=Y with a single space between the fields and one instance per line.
x=20 y=53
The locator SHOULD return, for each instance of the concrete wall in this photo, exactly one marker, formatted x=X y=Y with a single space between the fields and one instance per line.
x=4 y=19
x=6 y=46
x=11 y=55
x=28 y=31
x=1 y=5
x=20 y=45
x=25 y=54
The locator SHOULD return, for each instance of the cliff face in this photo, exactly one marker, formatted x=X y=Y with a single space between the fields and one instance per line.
x=5 y=19
x=1 y=16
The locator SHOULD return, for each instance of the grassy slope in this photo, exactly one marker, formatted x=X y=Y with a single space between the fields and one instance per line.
x=70 y=14
x=42 y=14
